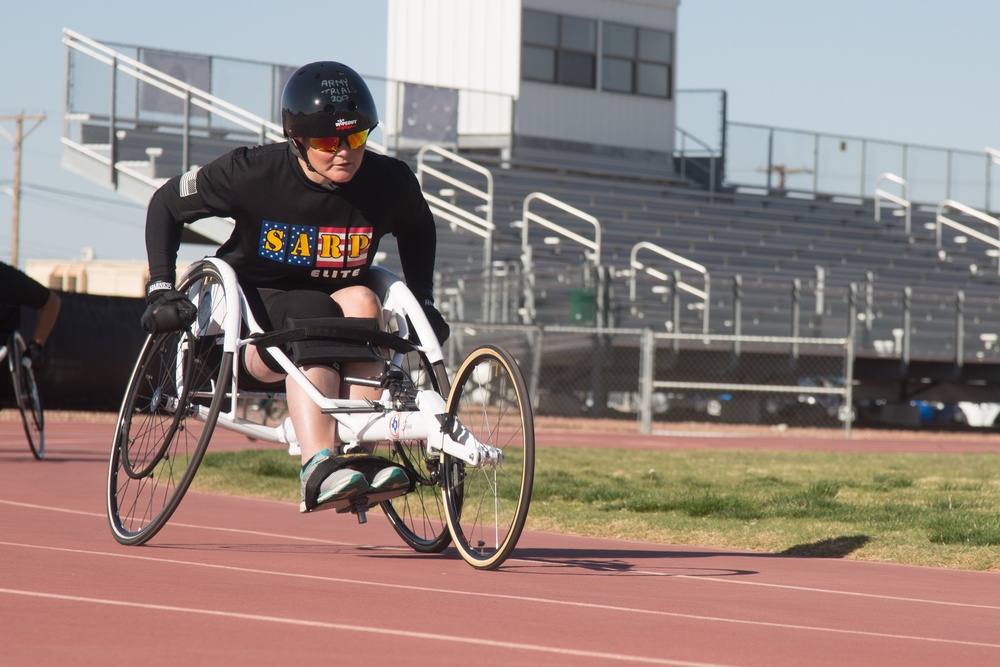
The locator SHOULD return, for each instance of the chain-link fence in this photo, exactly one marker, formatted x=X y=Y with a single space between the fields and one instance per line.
x=654 y=380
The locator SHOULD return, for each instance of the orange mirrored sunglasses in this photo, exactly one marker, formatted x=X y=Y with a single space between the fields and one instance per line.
x=332 y=144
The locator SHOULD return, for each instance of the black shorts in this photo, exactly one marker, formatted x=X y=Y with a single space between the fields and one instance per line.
x=272 y=308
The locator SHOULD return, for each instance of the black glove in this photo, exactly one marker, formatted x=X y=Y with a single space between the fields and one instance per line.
x=434 y=318
x=36 y=353
x=167 y=309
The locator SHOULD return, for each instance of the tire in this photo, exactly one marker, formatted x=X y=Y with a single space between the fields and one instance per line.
x=179 y=385
x=488 y=506
x=264 y=411
x=28 y=400
x=419 y=516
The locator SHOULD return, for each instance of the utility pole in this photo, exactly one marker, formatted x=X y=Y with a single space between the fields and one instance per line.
x=19 y=136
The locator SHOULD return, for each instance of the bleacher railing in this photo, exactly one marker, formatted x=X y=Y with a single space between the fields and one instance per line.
x=704 y=295
x=476 y=219
x=943 y=220
x=592 y=253
x=127 y=102
x=831 y=165
x=902 y=200
x=824 y=164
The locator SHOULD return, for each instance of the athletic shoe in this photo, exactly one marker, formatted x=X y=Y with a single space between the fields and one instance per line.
x=391 y=478
x=341 y=484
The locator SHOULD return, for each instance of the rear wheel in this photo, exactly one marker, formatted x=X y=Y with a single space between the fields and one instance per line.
x=28 y=400
x=419 y=516
x=487 y=506
x=180 y=383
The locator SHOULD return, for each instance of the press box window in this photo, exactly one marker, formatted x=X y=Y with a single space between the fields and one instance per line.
x=636 y=60
x=559 y=49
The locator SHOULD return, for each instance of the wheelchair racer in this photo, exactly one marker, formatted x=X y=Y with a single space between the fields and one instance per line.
x=309 y=215
x=19 y=289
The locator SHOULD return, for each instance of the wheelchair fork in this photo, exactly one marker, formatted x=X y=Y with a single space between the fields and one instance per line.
x=446 y=433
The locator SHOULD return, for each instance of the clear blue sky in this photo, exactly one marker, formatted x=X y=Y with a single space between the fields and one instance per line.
x=913 y=71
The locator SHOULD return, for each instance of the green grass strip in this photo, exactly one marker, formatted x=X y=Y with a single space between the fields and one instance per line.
x=921 y=509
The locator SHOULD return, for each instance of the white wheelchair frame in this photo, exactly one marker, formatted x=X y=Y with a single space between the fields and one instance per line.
x=479 y=478
x=359 y=421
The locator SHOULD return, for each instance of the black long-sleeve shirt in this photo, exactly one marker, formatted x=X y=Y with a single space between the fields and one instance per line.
x=18 y=289
x=292 y=233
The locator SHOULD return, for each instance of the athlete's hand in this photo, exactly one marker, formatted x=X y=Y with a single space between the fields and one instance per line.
x=36 y=354
x=434 y=318
x=167 y=309
x=441 y=328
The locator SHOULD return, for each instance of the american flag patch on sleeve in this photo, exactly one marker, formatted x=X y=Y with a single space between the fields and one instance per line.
x=189 y=183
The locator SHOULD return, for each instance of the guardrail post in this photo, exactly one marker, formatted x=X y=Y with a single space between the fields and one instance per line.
x=852 y=311
x=536 y=366
x=959 y=328
x=737 y=312
x=796 y=314
x=847 y=409
x=675 y=307
x=647 y=361
x=907 y=318
x=597 y=393
x=112 y=121
x=770 y=157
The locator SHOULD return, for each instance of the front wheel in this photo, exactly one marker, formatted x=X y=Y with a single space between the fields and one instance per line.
x=179 y=385
x=28 y=400
x=487 y=506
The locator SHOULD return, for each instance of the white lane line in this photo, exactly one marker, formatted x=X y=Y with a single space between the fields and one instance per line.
x=256 y=533
x=516 y=598
x=477 y=641
x=529 y=561
x=808 y=589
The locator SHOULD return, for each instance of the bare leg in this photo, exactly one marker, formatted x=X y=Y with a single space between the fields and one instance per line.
x=314 y=430
x=361 y=302
x=47 y=316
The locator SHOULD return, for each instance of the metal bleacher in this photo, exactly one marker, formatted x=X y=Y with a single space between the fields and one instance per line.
x=773 y=263
x=768 y=241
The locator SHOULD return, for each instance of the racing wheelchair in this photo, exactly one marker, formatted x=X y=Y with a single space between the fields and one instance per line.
x=467 y=445
x=29 y=402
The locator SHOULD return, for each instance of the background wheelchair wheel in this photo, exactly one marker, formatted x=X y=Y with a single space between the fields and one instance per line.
x=487 y=507
x=28 y=400
x=173 y=400
x=419 y=516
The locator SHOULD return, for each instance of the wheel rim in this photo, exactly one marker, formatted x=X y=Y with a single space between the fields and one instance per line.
x=28 y=399
x=488 y=506
x=158 y=434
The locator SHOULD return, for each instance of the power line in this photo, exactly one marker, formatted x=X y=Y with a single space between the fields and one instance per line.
x=81 y=195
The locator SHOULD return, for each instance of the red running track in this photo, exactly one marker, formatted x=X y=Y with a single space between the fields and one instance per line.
x=236 y=581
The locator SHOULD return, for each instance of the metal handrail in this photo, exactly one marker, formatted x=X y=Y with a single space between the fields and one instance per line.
x=942 y=219
x=594 y=246
x=683 y=153
x=172 y=86
x=635 y=266
x=481 y=226
x=265 y=129
x=526 y=254
x=903 y=202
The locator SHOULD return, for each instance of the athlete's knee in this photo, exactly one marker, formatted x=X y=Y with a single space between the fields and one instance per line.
x=358 y=301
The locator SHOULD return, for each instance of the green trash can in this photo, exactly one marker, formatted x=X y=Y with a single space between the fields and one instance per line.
x=582 y=306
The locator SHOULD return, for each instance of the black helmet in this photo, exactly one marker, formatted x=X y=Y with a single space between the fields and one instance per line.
x=326 y=99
